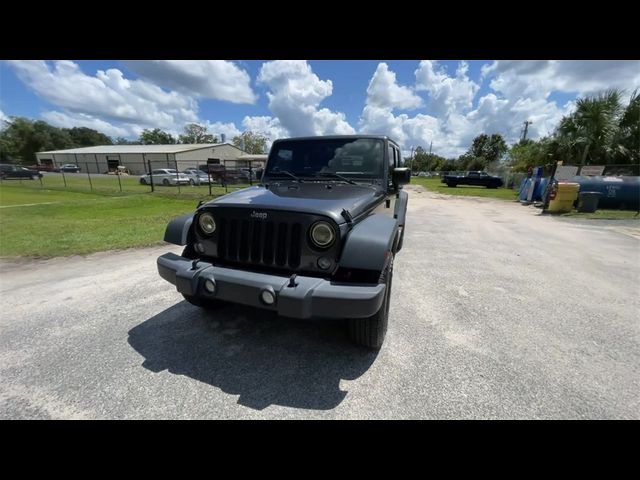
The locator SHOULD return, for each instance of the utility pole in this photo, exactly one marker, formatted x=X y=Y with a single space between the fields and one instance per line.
x=526 y=129
x=411 y=166
x=430 y=147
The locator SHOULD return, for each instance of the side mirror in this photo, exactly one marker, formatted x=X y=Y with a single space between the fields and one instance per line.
x=401 y=176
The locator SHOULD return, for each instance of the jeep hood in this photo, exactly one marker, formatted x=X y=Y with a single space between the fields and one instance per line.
x=321 y=198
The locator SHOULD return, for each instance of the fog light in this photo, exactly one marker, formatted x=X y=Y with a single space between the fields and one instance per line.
x=268 y=297
x=210 y=286
x=324 y=263
x=199 y=247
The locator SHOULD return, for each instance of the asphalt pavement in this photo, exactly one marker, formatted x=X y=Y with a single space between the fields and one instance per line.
x=497 y=312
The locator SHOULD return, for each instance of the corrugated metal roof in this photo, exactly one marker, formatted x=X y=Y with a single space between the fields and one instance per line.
x=108 y=149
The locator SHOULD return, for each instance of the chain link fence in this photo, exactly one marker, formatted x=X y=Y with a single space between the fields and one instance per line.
x=172 y=177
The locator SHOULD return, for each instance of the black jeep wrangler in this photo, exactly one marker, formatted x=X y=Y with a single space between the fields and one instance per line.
x=317 y=238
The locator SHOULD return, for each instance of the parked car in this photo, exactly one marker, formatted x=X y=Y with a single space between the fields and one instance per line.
x=165 y=176
x=196 y=176
x=9 y=171
x=221 y=174
x=42 y=167
x=70 y=168
x=481 y=179
x=250 y=173
x=316 y=239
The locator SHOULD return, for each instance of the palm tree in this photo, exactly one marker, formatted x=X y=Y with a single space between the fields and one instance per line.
x=628 y=138
x=569 y=140
x=597 y=119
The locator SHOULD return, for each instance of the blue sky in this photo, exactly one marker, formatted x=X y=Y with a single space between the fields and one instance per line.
x=416 y=102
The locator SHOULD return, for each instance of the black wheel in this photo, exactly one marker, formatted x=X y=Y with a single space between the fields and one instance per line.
x=451 y=185
x=207 y=303
x=192 y=182
x=370 y=332
x=166 y=182
x=143 y=181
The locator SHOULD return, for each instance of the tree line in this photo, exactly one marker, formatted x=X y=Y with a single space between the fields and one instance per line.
x=21 y=138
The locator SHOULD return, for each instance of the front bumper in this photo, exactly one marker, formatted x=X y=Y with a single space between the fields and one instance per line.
x=310 y=297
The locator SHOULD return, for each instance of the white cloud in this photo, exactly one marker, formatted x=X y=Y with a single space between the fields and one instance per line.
x=70 y=120
x=519 y=91
x=215 y=79
x=219 y=128
x=447 y=94
x=267 y=126
x=295 y=93
x=384 y=91
x=412 y=131
x=107 y=95
x=3 y=118
x=448 y=97
x=539 y=78
x=506 y=116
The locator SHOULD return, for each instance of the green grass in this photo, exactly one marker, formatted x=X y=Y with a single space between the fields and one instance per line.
x=605 y=215
x=434 y=185
x=16 y=195
x=80 y=223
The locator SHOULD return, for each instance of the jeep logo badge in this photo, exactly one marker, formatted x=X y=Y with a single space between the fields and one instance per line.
x=259 y=215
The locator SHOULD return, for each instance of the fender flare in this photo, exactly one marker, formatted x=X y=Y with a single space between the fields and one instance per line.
x=177 y=231
x=368 y=243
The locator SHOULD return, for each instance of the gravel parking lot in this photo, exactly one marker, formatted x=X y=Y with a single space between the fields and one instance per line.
x=497 y=312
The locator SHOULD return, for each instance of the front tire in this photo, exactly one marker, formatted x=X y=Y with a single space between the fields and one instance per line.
x=370 y=332
x=143 y=181
x=166 y=182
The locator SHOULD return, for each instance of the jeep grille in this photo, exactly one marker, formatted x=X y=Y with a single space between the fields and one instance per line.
x=260 y=242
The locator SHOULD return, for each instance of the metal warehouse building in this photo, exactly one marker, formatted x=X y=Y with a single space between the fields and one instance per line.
x=104 y=158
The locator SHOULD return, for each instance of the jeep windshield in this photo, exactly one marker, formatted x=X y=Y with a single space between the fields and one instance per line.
x=327 y=159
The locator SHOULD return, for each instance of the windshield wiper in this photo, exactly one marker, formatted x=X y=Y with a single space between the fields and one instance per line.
x=298 y=179
x=336 y=175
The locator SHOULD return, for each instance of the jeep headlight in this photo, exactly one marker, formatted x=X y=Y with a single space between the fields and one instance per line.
x=207 y=223
x=322 y=234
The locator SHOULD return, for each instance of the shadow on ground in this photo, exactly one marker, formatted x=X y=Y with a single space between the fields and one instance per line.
x=266 y=359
